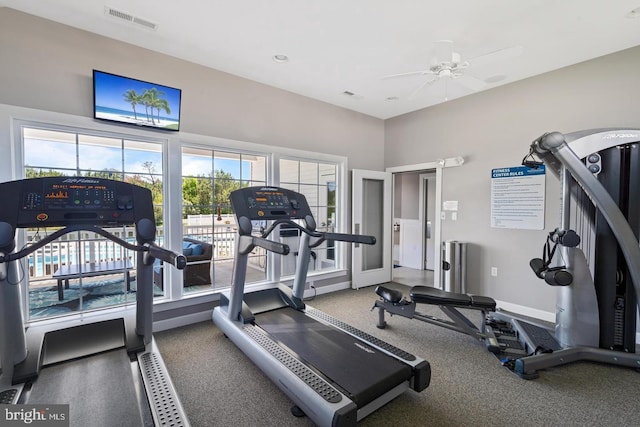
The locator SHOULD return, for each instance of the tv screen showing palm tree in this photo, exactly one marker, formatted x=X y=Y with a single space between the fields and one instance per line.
x=126 y=100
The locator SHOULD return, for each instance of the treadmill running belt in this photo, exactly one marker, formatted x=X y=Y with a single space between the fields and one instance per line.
x=99 y=390
x=361 y=371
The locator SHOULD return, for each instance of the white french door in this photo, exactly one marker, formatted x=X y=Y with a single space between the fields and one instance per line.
x=371 y=215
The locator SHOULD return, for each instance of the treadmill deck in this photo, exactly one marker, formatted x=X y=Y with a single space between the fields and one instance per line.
x=359 y=370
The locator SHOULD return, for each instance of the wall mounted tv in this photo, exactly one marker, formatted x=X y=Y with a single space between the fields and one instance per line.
x=135 y=102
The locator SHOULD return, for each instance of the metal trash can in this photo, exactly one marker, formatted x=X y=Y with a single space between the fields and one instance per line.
x=291 y=237
x=454 y=266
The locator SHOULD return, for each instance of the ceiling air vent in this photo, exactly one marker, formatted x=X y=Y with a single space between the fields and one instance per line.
x=126 y=16
x=351 y=94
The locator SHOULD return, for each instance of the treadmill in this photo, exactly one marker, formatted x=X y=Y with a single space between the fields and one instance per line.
x=105 y=367
x=334 y=373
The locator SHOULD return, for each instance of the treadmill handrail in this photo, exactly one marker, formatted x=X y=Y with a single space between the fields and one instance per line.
x=66 y=230
x=246 y=244
x=155 y=251
x=321 y=236
x=344 y=237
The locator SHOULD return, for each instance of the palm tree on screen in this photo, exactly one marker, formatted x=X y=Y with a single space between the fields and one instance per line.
x=162 y=104
x=133 y=98
x=150 y=99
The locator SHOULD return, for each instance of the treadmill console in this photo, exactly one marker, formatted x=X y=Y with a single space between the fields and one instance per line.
x=63 y=201
x=265 y=203
x=269 y=203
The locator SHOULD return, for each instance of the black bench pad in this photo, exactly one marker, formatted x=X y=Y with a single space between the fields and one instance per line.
x=486 y=303
x=429 y=295
x=389 y=295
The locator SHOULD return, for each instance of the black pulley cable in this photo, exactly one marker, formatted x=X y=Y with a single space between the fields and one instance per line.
x=529 y=161
x=554 y=276
x=541 y=265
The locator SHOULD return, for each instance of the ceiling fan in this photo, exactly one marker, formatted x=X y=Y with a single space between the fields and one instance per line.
x=448 y=65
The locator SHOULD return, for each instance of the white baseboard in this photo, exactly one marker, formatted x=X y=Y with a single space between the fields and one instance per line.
x=203 y=316
x=309 y=293
x=176 y=322
x=527 y=311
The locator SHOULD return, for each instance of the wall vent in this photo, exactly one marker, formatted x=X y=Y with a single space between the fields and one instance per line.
x=128 y=17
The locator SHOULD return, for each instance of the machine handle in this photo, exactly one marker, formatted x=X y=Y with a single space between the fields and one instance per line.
x=270 y=245
x=68 y=229
x=354 y=238
x=166 y=255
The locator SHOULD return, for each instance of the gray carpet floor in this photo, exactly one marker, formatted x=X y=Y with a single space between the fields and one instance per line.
x=219 y=386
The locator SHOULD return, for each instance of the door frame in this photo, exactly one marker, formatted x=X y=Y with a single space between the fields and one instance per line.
x=438 y=167
x=422 y=216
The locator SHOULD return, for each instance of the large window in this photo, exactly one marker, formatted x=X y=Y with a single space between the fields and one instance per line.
x=55 y=285
x=209 y=226
x=204 y=228
x=317 y=182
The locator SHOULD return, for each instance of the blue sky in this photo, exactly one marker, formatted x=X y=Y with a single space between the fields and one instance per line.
x=54 y=154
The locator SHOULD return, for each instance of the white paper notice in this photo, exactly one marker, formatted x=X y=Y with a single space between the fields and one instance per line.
x=517 y=197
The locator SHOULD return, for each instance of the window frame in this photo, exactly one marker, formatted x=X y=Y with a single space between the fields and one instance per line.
x=172 y=178
x=340 y=207
x=20 y=169
x=273 y=178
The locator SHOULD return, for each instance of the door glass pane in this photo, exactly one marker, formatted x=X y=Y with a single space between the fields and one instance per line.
x=227 y=163
x=99 y=154
x=310 y=192
x=83 y=270
x=209 y=226
x=308 y=173
x=373 y=214
x=317 y=182
x=289 y=172
x=49 y=150
x=79 y=271
x=143 y=158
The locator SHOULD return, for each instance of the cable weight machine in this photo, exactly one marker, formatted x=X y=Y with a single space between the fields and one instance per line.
x=593 y=257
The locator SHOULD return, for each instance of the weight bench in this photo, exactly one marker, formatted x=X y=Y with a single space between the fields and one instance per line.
x=393 y=302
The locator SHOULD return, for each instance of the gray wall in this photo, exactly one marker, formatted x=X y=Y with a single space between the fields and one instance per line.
x=406 y=195
x=48 y=66
x=493 y=129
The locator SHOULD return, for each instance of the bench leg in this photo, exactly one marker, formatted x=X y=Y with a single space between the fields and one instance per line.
x=60 y=291
x=381 y=322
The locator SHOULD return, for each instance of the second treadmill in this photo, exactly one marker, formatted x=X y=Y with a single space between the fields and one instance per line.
x=334 y=373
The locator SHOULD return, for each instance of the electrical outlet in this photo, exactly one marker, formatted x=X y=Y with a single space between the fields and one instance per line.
x=494 y=271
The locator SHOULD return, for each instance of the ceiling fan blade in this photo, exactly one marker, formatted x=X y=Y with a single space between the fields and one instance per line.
x=411 y=73
x=471 y=82
x=501 y=55
x=420 y=87
x=443 y=51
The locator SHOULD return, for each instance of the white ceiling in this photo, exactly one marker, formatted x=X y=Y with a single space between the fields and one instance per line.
x=335 y=46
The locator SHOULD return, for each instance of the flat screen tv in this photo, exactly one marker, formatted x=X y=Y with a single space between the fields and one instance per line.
x=135 y=102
